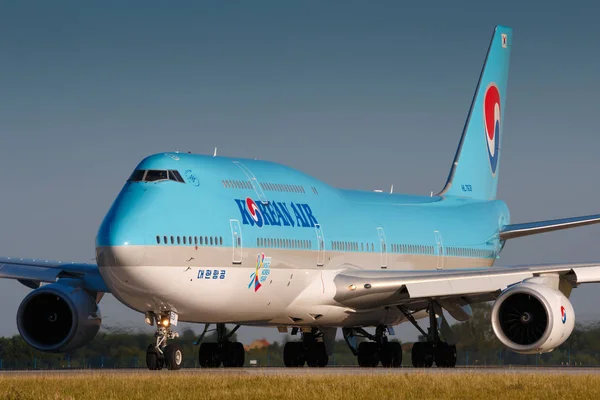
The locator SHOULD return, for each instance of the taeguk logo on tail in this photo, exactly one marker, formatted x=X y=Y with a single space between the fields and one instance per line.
x=276 y=213
x=563 y=314
x=491 y=123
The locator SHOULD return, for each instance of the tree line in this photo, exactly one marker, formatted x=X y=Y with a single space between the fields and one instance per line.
x=114 y=348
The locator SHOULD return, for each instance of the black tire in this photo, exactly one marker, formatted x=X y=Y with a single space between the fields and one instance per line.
x=391 y=354
x=293 y=355
x=418 y=357
x=445 y=355
x=203 y=356
x=288 y=355
x=428 y=354
x=317 y=355
x=397 y=349
x=368 y=354
x=233 y=355
x=208 y=356
x=173 y=357
x=152 y=359
x=240 y=354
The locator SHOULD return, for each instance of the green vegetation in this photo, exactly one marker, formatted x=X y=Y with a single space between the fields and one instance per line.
x=479 y=346
x=184 y=385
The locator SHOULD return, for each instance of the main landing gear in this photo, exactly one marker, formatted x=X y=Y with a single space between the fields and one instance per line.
x=160 y=354
x=311 y=350
x=223 y=352
x=424 y=354
x=378 y=350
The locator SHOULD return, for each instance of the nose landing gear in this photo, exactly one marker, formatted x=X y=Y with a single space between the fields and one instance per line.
x=161 y=354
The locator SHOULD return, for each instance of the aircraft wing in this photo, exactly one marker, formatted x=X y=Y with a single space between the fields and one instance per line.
x=534 y=228
x=362 y=289
x=32 y=273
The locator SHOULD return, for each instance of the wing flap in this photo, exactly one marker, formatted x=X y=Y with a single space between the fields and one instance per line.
x=464 y=285
x=365 y=289
x=587 y=275
x=534 y=228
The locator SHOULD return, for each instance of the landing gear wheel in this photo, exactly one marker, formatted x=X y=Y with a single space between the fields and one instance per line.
x=391 y=354
x=208 y=356
x=153 y=361
x=233 y=355
x=173 y=357
x=317 y=355
x=422 y=355
x=397 y=349
x=293 y=354
x=445 y=355
x=368 y=354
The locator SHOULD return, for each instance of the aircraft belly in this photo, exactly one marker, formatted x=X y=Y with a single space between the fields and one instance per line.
x=284 y=288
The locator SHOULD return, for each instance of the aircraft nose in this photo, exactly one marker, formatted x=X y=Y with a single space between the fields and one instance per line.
x=121 y=237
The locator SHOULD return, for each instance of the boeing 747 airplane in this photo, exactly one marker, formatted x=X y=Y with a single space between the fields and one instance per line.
x=219 y=240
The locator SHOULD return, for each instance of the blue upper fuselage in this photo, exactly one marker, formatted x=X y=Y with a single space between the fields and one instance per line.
x=272 y=200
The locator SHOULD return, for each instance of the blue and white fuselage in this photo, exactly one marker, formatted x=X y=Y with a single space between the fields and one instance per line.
x=192 y=244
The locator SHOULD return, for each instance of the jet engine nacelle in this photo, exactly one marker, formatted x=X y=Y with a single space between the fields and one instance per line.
x=58 y=317
x=531 y=318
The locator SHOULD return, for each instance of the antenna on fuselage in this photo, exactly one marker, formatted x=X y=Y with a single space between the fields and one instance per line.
x=392 y=189
x=215 y=152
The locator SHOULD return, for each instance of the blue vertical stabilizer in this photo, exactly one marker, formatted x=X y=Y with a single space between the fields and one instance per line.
x=474 y=172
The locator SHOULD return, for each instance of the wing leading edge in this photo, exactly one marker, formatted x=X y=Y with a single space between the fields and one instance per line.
x=33 y=272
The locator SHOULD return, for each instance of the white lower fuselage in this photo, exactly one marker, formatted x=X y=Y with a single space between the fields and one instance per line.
x=294 y=292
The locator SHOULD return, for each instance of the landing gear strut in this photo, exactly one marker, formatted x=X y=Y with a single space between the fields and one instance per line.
x=424 y=354
x=378 y=350
x=311 y=350
x=229 y=354
x=160 y=354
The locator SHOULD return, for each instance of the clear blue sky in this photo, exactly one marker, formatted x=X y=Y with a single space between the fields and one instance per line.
x=360 y=94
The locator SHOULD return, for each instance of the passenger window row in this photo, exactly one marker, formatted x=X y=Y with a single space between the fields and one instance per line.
x=469 y=252
x=284 y=243
x=314 y=189
x=232 y=184
x=190 y=240
x=279 y=187
x=351 y=246
x=413 y=249
x=155 y=175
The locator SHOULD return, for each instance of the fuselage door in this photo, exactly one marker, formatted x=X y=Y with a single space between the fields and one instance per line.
x=382 y=247
x=236 y=237
x=255 y=183
x=320 y=246
x=439 y=249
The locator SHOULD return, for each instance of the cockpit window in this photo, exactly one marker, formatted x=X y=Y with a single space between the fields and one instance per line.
x=137 y=176
x=175 y=176
x=154 y=175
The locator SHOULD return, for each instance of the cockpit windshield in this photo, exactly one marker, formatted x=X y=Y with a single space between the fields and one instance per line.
x=137 y=176
x=155 y=175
